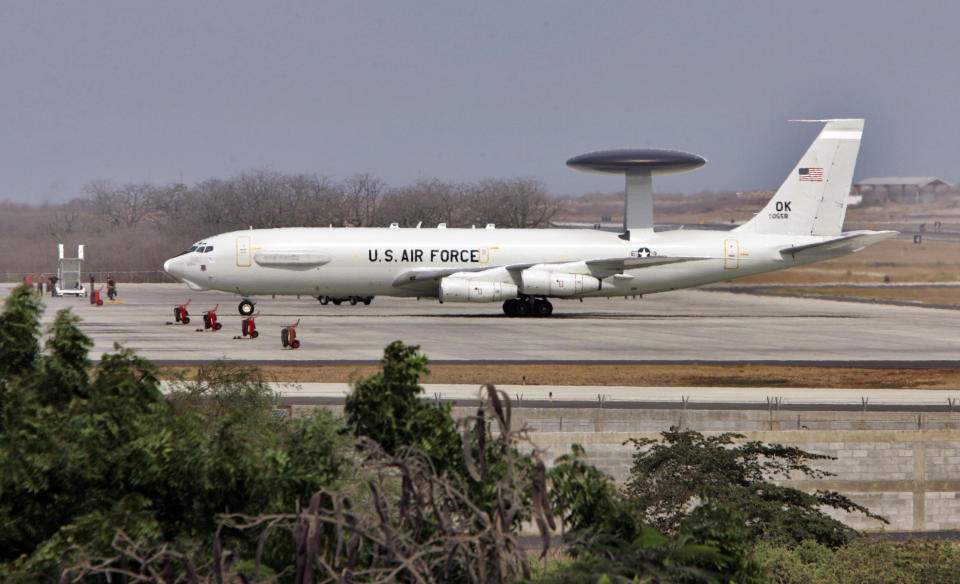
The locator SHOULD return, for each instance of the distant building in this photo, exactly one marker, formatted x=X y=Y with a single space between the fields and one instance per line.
x=902 y=189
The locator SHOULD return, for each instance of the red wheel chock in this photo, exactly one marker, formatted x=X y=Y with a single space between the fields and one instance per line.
x=248 y=327
x=180 y=314
x=210 y=319
x=288 y=336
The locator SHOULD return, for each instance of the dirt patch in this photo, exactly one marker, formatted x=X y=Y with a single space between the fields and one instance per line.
x=631 y=375
x=941 y=296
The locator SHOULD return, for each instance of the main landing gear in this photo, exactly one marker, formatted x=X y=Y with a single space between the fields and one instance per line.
x=245 y=307
x=527 y=306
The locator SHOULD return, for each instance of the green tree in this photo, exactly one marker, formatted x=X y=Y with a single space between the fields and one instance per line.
x=64 y=370
x=87 y=458
x=19 y=324
x=387 y=408
x=608 y=536
x=586 y=498
x=685 y=470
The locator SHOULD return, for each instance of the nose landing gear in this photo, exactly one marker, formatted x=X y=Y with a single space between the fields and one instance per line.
x=528 y=306
x=245 y=307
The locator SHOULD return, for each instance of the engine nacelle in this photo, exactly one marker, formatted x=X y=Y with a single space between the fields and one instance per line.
x=544 y=283
x=465 y=290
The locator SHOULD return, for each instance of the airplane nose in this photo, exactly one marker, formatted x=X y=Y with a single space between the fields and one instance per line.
x=172 y=267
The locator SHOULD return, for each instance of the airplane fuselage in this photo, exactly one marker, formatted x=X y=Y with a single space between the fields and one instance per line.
x=369 y=261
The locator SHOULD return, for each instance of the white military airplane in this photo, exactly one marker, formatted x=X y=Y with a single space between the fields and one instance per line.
x=524 y=268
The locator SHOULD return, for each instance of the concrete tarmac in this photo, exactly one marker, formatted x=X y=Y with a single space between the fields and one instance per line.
x=687 y=325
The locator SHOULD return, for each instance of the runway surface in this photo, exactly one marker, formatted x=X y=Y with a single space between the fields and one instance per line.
x=682 y=326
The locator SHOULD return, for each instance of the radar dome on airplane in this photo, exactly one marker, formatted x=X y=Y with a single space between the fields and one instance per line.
x=650 y=160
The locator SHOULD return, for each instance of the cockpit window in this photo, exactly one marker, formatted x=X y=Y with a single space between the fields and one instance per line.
x=192 y=248
x=209 y=248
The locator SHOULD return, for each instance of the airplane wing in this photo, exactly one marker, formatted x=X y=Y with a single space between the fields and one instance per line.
x=846 y=243
x=420 y=275
x=599 y=268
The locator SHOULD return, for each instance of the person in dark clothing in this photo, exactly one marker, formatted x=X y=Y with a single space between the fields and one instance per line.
x=111 y=287
x=53 y=285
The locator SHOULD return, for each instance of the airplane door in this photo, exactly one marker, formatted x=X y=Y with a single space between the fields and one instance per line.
x=243 y=251
x=731 y=254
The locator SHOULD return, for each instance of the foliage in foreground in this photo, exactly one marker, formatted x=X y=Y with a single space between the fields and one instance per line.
x=102 y=475
x=396 y=519
x=608 y=537
x=861 y=560
x=87 y=455
x=713 y=498
x=688 y=477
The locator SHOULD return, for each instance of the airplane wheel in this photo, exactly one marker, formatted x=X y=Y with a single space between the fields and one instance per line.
x=176 y=313
x=295 y=344
x=186 y=320
x=542 y=308
x=510 y=307
x=353 y=301
x=245 y=307
x=324 y=300
x=254 y=334
x=244 y=327
x=366 y=301
x=523 y=308
x=284 y=337
x=206 y=321
x=217 y=326
x=337 y=302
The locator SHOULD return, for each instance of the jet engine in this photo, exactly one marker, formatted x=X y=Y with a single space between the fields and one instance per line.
x=466 y=290
x=544 y=283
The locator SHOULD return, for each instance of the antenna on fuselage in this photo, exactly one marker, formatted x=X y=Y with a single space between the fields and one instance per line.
x=638 y=168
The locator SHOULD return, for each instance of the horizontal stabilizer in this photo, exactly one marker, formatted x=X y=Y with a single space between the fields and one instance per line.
x=846 y=243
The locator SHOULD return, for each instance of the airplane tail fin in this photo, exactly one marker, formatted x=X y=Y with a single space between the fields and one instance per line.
x=813 y=198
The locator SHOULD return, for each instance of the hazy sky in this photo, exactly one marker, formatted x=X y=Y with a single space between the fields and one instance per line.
x=158 y=91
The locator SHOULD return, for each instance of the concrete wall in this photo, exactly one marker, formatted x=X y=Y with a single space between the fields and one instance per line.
x=911 y=477
x=903 y=466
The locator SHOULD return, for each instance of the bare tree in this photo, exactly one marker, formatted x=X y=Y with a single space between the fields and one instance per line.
x=124 y=206
x=316 y=201
x=518 y=202
x=363 y=192
x=428 y=201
